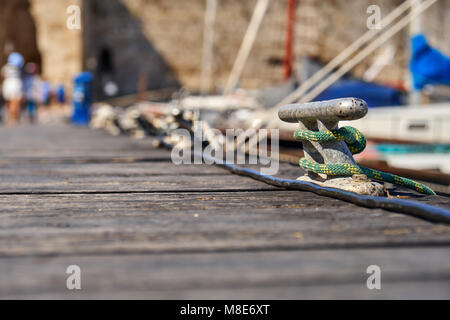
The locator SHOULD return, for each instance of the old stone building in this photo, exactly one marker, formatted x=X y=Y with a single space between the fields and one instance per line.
x=17 y=30
x=37 y=29
x=161 y=41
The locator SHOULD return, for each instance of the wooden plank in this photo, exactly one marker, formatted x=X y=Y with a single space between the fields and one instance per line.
x=92 y=184
x=141 y=227
x=98 y=169
x=82 y=157
x=63 y=141
x=200 y=222
x=405 y=273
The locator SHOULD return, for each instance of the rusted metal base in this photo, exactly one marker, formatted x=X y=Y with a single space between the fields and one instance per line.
x=359 y=184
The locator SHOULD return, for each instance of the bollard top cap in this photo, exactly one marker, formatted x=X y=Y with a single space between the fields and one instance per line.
x=329 y=110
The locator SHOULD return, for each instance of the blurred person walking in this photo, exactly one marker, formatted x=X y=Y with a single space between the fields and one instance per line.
x=31 y=89
x=12 y=86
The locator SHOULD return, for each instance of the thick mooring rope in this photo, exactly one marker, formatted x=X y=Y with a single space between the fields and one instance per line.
x=409 y=207
x=356 y=144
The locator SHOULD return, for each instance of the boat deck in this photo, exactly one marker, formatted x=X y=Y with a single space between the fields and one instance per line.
x=141 y=227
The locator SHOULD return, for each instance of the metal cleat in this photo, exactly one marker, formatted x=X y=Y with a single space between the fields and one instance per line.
x=325 y=116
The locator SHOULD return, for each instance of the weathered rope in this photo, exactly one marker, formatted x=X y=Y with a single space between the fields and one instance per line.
x=356 y=144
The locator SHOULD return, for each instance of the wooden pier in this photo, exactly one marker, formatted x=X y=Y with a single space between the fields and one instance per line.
x=139 y=226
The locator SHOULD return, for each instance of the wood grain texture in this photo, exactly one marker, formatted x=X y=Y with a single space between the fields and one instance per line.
x=323 y=274
x=200 y=222
x=142 y=227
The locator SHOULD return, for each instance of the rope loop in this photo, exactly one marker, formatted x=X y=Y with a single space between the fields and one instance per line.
x=356 y=143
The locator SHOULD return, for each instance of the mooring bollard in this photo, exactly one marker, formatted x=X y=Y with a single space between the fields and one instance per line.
x=320 y=118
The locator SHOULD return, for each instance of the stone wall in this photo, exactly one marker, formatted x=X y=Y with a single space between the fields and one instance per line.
x=17 y=31
x=116 y=49
x=323 y=29
x=161 y=41
x=176 y=29
x=60 y=47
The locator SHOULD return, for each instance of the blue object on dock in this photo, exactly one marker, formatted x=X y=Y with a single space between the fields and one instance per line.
x=428 y=65
x=82 y=98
